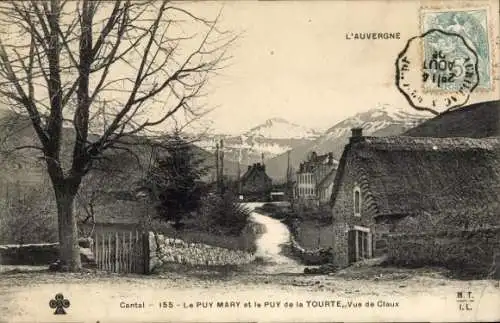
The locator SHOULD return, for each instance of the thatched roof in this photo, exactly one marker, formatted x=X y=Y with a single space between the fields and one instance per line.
x=476 y=120
x=255 y=170
x=411 y=175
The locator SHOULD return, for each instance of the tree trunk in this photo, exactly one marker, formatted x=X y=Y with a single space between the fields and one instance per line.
x=69 y=251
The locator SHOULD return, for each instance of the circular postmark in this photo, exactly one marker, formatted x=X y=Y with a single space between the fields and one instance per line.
x=437 y=71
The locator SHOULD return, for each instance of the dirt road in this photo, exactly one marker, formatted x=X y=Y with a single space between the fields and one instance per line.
x=270 y=245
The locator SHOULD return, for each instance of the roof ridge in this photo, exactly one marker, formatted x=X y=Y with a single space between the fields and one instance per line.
x=428 y=143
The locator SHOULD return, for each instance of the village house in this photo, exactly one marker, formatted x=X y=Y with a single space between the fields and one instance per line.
x=256 y=185
x=314 y=180
x=382 y=182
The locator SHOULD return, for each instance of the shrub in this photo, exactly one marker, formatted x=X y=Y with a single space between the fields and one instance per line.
x=174 y=183
x=27 y=217
x=223 y=214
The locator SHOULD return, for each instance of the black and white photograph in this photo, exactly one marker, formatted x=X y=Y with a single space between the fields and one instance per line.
x=249 y=161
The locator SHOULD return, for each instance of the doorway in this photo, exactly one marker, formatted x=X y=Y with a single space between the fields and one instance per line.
x=359 y=244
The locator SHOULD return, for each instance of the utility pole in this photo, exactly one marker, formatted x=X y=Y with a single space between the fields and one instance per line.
x=217 y=180
x=222 y=166
x=239 y=172
x=287 y=176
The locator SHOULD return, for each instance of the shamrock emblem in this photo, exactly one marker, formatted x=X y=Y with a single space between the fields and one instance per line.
x=59 y=303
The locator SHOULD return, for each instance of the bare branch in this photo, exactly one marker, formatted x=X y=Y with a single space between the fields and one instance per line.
x=111 y=71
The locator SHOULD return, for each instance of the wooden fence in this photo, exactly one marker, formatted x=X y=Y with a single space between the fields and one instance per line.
x=122 y=252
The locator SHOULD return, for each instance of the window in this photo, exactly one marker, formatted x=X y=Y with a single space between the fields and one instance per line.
x=357 y=201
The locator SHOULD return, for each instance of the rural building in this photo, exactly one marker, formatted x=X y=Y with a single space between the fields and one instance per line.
x=256 y=185
x=314 y=180
x=383 y=182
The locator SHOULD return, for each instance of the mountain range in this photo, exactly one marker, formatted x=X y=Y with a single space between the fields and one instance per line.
x=275 y=137
x=277 y=140
x=265 y=141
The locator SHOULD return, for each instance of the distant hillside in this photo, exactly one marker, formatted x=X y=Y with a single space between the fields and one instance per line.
x=27 y=166
x=475 y=120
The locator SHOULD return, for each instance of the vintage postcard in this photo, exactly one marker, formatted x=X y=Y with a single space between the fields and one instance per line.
x=249 y=161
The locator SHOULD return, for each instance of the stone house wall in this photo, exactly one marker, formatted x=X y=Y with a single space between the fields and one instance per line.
x=343 y=208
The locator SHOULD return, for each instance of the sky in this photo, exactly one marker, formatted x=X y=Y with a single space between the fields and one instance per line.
x=293 y=61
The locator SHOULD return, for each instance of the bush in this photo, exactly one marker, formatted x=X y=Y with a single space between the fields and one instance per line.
x=27 y=217
x=223 y=214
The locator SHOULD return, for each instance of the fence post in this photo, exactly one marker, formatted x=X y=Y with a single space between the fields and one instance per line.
x=130 y=252
x=108 y=251
x=123 y=259
x=117 y=254
x=145 y=248
x=137 y=255
x=95 y=250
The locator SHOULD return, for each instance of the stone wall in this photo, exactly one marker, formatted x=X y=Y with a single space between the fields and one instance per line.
x=165 y=250
x=352 y=176
x=340 y=244
x=468 y=252
x=380 y=243
x=29 y=254
x=41 y=254
x=318 y=256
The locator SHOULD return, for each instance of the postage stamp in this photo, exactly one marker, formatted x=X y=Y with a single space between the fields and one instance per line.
x=473 y=26
x=443 y=77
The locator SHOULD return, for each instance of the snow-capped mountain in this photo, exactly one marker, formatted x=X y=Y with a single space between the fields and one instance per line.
x=279 y=128
x=379 y=121
x=271 y=138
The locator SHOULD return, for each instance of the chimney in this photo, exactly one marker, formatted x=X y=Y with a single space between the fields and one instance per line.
x=330 y=158
x=356 y=135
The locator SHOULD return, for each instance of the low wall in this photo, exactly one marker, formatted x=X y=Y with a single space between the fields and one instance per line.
x=40 y=254
x=165 y=250
x=468 y=252
x=29 y=254
x=318 y=256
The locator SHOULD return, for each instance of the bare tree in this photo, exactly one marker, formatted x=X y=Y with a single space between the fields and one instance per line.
x=108 y=70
